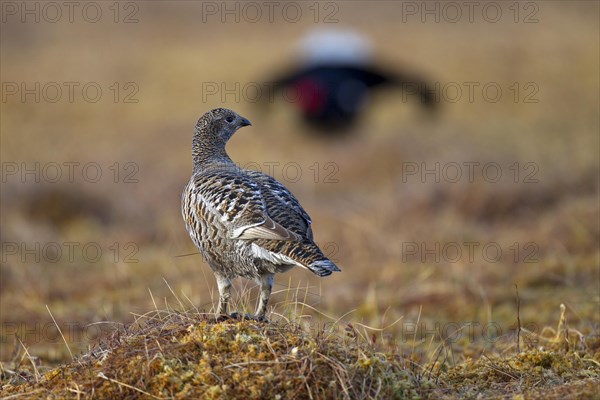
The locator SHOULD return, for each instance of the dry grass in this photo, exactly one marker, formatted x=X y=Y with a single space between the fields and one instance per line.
x=166 y=354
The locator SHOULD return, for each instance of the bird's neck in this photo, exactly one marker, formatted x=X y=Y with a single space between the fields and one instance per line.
x=207 y=154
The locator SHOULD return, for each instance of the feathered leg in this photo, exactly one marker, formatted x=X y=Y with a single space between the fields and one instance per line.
x=266 y=285
x=224 y=285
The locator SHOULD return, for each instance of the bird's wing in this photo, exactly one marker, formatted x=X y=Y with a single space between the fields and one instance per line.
x=282 y=206
x=239 y=204
x=370 y=75
x=411 y=83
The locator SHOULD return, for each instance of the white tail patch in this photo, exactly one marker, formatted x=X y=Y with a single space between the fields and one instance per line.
x=273 y=258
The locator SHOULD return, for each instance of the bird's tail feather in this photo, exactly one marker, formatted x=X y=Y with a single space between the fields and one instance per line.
x=307 y=255
x=323 y=267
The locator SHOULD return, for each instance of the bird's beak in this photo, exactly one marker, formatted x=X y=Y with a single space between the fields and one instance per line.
x=245 y=122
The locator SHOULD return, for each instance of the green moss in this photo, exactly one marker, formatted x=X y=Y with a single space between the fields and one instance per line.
x=182 y=356
x=533 y=371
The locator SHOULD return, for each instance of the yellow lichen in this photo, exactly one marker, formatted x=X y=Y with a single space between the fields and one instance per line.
x=244 y=359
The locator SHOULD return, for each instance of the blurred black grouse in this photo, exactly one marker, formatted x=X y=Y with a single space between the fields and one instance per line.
x=330 y=87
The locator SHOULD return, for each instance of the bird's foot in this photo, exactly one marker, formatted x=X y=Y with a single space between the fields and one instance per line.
x=258 y=318
x=223 y=317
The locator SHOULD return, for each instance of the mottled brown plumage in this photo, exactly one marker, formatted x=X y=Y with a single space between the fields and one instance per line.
x=244 y=223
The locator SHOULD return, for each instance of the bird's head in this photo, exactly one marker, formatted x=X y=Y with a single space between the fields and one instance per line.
x=220 y=124
x=212 y=132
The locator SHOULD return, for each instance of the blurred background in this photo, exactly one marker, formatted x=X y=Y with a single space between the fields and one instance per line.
x=434 y=205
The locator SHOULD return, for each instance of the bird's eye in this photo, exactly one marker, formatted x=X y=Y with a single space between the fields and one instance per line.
x=229 y=119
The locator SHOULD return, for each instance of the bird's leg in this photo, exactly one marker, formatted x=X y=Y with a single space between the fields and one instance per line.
x=224 y=285
x=266 y=284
